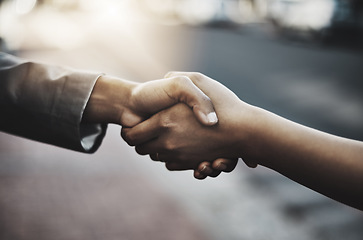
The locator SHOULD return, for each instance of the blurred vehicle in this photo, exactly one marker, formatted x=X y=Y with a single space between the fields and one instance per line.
x=317 y=20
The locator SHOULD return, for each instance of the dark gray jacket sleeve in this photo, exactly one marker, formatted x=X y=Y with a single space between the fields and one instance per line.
x=46 y=103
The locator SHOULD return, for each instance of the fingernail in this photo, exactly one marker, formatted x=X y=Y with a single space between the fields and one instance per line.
x=222 y=166
x=206 y=170
x=212 y=117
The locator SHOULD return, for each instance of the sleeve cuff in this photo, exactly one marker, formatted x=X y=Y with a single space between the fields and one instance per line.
x=76 y=92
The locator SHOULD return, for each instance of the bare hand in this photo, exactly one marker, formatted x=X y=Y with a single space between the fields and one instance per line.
x=173 y=135
x=114 y=100
x=151 y=97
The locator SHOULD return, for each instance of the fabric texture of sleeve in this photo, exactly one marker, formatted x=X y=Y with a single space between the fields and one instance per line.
x=46 y=103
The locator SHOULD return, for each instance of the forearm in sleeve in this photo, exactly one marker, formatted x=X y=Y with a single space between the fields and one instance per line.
x=45 y=103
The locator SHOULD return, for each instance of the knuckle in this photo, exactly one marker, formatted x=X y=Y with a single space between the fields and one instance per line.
x=169 y=145
x=153 y=157
x=181 y=81
x=169 y=74
x=140 y=150
x=165 y=122
x=129 y=138
x=170 y=166
x=196 y=76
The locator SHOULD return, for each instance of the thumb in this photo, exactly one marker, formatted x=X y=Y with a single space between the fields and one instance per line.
x=184 y=90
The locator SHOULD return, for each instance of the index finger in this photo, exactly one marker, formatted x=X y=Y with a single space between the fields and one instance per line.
x=143 y=132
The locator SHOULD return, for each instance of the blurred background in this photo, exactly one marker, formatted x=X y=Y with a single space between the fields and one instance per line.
x=301 y=59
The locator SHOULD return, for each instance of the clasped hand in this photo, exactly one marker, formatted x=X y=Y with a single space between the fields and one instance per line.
x=179 y=135
x=173 y=119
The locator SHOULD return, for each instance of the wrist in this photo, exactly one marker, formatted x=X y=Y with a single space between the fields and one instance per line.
x=265 y=131
x=249 y=129
x=235 y=129
x=108 y=100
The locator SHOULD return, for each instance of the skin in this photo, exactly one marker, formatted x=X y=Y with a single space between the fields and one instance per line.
x=126 y=103
x=328 y=164
x=118 y=101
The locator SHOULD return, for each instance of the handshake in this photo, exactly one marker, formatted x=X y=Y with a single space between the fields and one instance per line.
x=186 y=120
x=190 y=121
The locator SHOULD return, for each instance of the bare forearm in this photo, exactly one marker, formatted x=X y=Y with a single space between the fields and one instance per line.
x=325 y=163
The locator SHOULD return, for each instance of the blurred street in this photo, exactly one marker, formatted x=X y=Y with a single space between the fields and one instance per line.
x=51 y=193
